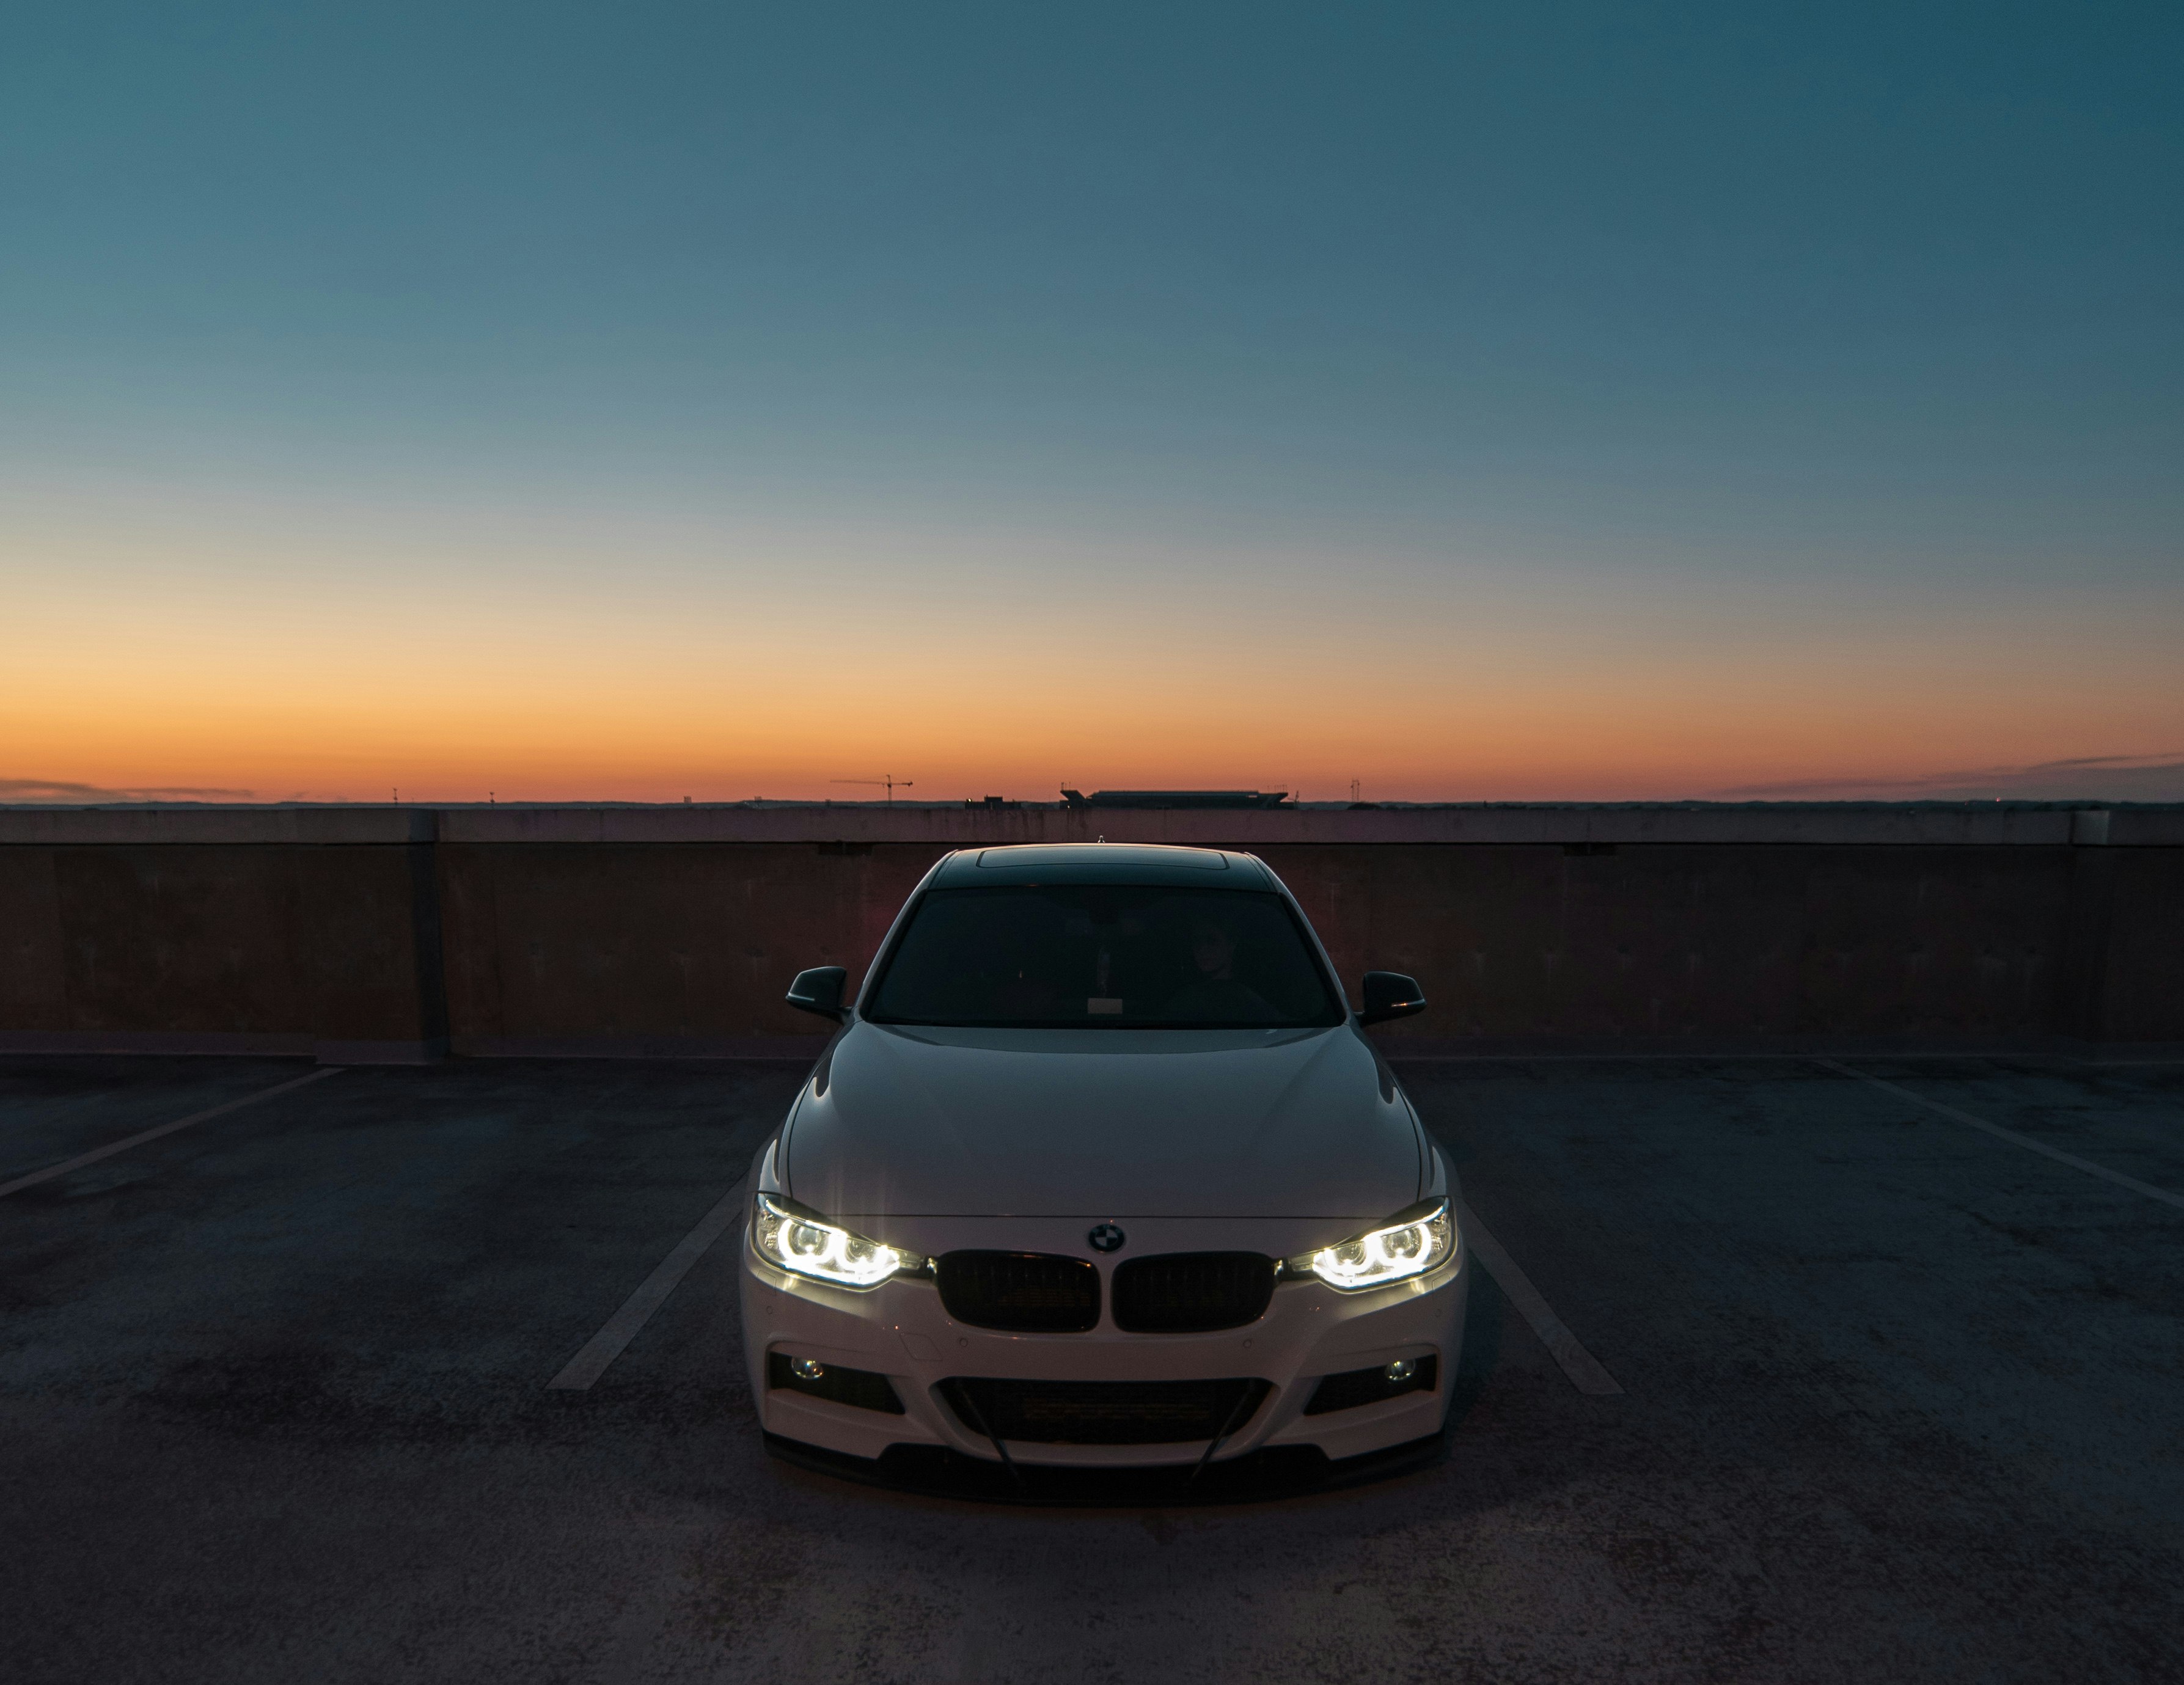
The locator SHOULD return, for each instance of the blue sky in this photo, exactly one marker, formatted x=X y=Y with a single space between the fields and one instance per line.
x=1784 y=346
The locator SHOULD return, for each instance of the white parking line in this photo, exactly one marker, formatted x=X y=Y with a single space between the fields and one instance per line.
x=2010 y=1135
x=113 y=1147
x=1583 y=1369
x=605 y=1346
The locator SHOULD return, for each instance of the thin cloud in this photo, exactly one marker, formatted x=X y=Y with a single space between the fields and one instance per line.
x=52 y=790
x=2098 y=778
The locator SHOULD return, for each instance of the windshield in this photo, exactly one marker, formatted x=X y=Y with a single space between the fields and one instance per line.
x=1105 y=956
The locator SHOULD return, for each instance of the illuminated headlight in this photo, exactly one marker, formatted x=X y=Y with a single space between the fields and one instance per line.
x=804 y=1244
x=1416 y=1243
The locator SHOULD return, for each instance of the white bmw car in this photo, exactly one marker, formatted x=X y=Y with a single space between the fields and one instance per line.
x=1100 y=1170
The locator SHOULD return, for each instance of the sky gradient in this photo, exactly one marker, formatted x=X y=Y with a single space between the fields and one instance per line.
x=1480 y=403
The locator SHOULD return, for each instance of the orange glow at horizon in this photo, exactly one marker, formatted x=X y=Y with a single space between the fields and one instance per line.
x=558 y=724
x=161 y=662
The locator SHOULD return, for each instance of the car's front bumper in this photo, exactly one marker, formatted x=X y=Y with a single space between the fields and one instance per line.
x=901 y=1331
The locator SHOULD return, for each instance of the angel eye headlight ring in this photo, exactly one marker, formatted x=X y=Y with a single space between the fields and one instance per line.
x=1412 y=1244
x=794 y=1238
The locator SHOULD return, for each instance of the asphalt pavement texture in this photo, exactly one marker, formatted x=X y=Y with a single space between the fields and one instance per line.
x=1903 y=1400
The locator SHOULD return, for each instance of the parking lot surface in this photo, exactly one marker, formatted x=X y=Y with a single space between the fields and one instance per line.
x=1902 y=1399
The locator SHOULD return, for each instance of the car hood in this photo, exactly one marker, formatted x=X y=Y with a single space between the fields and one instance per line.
x=1102 y=1124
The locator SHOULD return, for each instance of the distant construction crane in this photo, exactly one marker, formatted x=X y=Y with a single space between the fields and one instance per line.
x=890 y=782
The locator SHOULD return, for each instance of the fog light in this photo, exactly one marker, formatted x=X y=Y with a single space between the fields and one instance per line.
x=1401 y=1369
x=811 y=1369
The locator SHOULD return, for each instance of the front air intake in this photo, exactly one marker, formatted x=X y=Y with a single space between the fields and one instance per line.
x=1103 y=1412
x=1024 y=1292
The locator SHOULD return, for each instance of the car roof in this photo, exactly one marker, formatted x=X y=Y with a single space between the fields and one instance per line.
x=1115 y=862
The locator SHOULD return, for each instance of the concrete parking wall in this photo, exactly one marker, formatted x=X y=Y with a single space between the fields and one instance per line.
x=390 y=933
x=274 y=931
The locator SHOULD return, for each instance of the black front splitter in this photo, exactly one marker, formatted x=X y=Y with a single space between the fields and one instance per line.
x=1257 y=1477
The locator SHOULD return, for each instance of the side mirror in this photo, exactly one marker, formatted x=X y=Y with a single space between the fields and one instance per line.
x=1390 y=994
x=820 y=990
